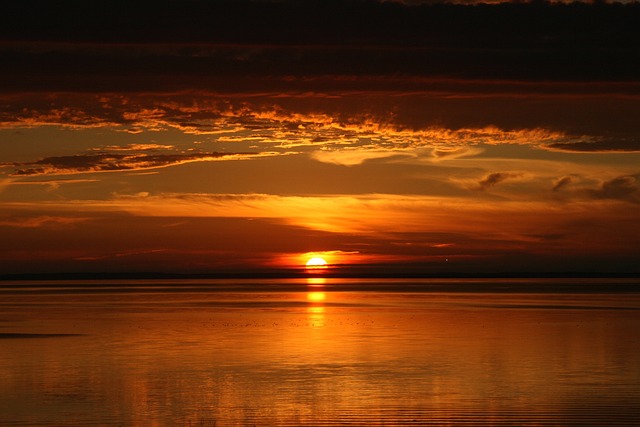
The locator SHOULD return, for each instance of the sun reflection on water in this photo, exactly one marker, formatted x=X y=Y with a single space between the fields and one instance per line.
x=316 y=309
x=316 y=281
x=316 y=297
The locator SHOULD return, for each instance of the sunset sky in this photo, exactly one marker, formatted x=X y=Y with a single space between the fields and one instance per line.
x=244 y=137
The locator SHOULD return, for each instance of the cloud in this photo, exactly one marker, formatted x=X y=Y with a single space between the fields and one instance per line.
x=354 y=156
x=333 y=257
x=312 y=38
x=119 y=254
x=40 y=221
x=109 y=162
x=441 y=245
x=597 y=145
x=266 y=119
x=563 y=182
x=52 y=184
x=207 y=231
x=135 y=147
x=376 y=214
x=625 y=187
x=548 y=236
x=72 y=117
x=495 y=178
x=455 y=153
x=589 y=225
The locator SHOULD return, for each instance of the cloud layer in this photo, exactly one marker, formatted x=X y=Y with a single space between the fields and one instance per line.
x=64 y=165
x=243 y=38
x=349 y=127
x=209 y=231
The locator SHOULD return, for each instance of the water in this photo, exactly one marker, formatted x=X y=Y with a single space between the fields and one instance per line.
x=320 y=352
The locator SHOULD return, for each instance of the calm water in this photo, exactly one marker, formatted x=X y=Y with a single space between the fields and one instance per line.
x=320 y=352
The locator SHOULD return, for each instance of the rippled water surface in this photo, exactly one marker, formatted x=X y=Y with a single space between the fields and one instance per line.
x=320 y=352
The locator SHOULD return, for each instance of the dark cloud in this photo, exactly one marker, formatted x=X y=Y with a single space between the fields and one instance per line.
x=495 y=178
x=547 y=236
x=563 y=182
x=106 y=162
x=599 y=145
x=235 y=43
x=530 y=118
x=314 y=21
x=625 y=187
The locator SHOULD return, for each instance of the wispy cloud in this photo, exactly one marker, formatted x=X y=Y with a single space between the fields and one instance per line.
x=115 y=162
x=625 y=187
x=119 y=255
x=135 y=147
x=352 y=157
x=597 y=145
x=563 y=182
x=451 y=153
x=621 y=188
x=375 y=213
x=494 y=179
x=40 y=221
x=375 y=227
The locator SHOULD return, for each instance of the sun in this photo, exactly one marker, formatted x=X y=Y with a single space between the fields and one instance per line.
x=316 y=263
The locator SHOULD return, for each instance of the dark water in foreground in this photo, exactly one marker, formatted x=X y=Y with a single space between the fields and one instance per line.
x=320 y=352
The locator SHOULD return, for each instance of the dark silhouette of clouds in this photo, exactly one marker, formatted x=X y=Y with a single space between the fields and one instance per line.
x=495 y=178
x=624 y=187
x=217 y=44
x=106 y=162
x=563 y=182
x=601 y=145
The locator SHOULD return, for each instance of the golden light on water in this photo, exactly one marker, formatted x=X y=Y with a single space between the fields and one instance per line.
x=316 y=281
x=316 y=297
x=316 y=309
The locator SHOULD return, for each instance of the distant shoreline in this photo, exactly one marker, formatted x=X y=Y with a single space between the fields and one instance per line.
x=302 y=274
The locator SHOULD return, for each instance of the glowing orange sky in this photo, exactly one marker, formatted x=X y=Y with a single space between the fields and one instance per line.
x=264 y=184
x=256 y=164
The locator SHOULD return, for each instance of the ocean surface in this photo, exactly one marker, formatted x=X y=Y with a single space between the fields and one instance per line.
x=320 y=351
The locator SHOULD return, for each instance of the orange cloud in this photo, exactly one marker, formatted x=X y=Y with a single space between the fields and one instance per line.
x=268 y=120
x=351 y=157
x=135 y=147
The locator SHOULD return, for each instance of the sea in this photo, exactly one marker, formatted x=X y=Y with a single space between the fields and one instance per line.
x=320 y=351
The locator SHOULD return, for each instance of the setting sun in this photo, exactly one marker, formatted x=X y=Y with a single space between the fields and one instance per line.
x=316 y=263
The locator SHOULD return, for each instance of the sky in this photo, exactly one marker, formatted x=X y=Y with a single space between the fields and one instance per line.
x=246 y=137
